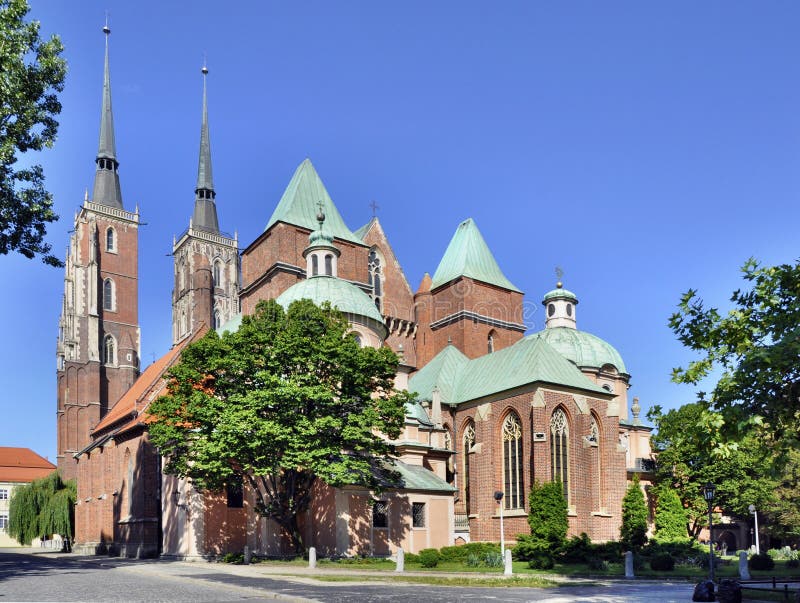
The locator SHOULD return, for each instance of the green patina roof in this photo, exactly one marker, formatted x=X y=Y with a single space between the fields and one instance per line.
x=232 y=324
x=299 y=205
x=582 y=348
x=530 y=360
x=342 y=295
x=414 y=410
x=560 y=293
x=416 y=477
x=468 y=255
x=362 y=232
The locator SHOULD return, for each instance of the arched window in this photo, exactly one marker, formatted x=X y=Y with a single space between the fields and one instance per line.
x=108 y=295
x=359 y=340
x=328 y=264
x=375 y=277
x=217 y=320
x=490 y=342
x=181 y=276
x=111 y=240
x=217 y=274
x=512 y=462
x=559 y=449
x=597 y=465
x=109 y=350
x=314 y=265
x=468 y=441
x=183 y=322
x=450 y=474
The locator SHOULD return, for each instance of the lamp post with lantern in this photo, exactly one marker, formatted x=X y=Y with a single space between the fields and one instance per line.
x=498 y=496
x=709 y=490
x=754 y=511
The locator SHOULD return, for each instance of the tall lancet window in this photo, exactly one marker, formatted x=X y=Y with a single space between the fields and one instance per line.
x=597 y=463
x=217 y=274
x=559 y=449
x=111 y=241
x=490 y=342
x=109 y=350
x=375 y=277
x=468 y=442
x=314 y=265
x=512 y=462
x=108 y=295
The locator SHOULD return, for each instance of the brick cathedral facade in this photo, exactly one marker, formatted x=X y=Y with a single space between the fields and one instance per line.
x=496 y=410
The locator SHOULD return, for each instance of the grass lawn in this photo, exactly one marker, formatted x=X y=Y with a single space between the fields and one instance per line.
x=525 y=581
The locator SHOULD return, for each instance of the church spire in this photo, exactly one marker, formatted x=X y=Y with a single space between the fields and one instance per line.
x=205 y=210
x=106 y=179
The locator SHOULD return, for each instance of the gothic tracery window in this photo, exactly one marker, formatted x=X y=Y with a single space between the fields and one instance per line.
x=559 y=449
x=375 y=277
x=109 y=350
x=217 y=274
x=512 y=462
x=468 y=441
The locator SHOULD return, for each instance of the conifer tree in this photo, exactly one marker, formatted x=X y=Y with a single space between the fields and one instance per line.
x=671 y=518
x=548 y=514
x=42 y=508
x=633 y=533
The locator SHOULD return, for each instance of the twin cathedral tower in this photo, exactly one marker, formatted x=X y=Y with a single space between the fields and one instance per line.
x=99 y=341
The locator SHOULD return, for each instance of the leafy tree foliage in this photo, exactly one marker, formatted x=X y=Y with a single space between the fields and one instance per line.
x=31 y=73
x=755 y=347
x=42 y=508
x=633 y=532
x=289 y=398
x=688 y=457
x=670 y=520
x=547 y=515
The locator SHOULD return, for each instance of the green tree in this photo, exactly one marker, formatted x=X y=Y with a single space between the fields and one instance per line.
x=671 y=519
x=32 y=71
x=42 y=508
x=754 y=347
x=633 y=532
x=286 y=400
x=688 y=456
x=547 y=515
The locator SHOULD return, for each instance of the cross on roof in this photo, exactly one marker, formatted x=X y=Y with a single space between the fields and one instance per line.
x=374 y=207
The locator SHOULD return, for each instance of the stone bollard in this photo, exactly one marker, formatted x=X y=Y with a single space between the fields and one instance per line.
x=629 y=564
x=401 y=561
x=312 y=557
x=247 y=555
x=744 y=571
x=508 y=568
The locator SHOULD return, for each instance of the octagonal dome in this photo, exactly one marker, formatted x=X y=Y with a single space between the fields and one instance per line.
x=582 y=348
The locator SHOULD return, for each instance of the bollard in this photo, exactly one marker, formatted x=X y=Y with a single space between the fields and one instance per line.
x=312 y=557
x=401 y=561
x=629 y=564
x=744 y=571
x=247 y=555
x=508 y=568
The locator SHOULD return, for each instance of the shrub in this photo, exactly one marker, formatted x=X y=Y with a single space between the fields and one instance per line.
x=608 y=551
x=541 y=561
x=670 y=519
x=597 y=564
x=528 y=547
x=429 y=557
x=578 y=549
x=547 y=515
x=236 y=558
x=793 y=563
x=633 y=532
x=473 y=560
x=662 y=562
x=460 y=553
x=411 y=558
x=761 y=562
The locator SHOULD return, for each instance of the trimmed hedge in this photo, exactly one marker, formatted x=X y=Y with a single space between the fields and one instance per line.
x=761 y=562
x=429 y=557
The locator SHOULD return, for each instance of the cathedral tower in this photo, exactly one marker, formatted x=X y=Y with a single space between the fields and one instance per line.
x=206 y=261
x=98 y=333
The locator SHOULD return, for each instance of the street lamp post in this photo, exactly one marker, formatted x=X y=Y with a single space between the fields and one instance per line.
x=754 y=511
x=498 y=496
x=708 y=493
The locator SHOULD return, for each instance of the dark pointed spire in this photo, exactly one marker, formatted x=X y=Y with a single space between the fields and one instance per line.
x=205 y=209
x=106 y=180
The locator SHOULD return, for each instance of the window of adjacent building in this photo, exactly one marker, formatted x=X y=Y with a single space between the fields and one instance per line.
x=559 y=449
x=235 y=493
x=512 y=462
x=109 y=350
x=3 y=523
x=109 y=303
x=468 y=442
x=375 y=277
x=314 y=265
x=418 y=514
x=3 y=493
x=380 y=514
x=111 y=240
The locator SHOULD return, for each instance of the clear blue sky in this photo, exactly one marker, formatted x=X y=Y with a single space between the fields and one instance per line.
x=643 y=147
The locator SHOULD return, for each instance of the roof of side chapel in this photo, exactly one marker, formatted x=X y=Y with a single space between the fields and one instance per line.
x=469 y=255
x=299 y=205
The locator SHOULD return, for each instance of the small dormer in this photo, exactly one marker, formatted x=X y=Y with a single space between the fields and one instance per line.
x=559 y=308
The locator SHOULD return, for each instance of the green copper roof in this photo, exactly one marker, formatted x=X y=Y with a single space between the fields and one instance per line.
x=345 y=296
x=416 y=477
x=299 y=205
x=362 y=232
x=232 y=325
x=414 y=410
x=560 y=293
x=530 y=360
x=582 y=348
x=468 y=255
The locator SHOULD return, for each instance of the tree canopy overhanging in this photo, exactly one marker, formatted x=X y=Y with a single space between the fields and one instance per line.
x=32 y=71
x=288 y=399
x=42 y=508
x=755 y=346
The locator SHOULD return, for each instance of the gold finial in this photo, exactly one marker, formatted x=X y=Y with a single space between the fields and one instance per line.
x=559 y=274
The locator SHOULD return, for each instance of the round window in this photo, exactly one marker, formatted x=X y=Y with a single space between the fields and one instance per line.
x=551 y=309
x=569 y=309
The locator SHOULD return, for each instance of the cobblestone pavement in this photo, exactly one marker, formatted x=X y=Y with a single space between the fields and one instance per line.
x=52 y=577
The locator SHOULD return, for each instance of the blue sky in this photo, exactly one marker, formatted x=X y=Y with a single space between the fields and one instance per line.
x=645 y=148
